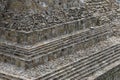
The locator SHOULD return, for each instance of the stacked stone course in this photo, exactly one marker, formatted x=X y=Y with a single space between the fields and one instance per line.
x=45 y=52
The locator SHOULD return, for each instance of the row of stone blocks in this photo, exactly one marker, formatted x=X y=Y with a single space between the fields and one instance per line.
x=84 y=67
x=73 y=44
x=32 y=37
x=56 y=43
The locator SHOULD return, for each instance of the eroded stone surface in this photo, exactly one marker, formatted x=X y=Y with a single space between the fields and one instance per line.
x=38 y=38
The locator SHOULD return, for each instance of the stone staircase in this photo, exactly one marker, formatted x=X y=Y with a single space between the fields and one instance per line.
x=31 y=50
x=57 y=48
x=83 y=68
x=53 y=42
x=80 y=69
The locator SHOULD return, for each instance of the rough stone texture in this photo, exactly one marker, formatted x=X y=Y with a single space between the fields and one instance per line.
x=22 y=25
x=58 y=39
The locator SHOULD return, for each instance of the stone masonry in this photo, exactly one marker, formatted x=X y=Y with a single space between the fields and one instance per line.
x=58 y=39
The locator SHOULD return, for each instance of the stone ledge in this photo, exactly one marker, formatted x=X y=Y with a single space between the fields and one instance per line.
x=27 y=73
x=33 y=37
x=37 y=58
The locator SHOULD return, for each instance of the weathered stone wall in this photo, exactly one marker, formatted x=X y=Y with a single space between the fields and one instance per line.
x=30 y=38
x=15 y=21
x=62 y=25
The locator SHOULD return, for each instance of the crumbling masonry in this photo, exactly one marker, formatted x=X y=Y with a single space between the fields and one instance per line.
x=59 y=40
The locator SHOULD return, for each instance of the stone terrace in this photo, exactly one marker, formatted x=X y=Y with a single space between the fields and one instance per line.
x=43 y=53
x=62 y=63
x=76 y=40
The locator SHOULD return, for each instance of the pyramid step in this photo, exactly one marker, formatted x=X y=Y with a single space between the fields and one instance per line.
x=114 y=59
x=75 y=41
x=69 y=67
x=86 y=63
x=37 y=59
x=85 y=68
x=95 y=67
x=60 y=42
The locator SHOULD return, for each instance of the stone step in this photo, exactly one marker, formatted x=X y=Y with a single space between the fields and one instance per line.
x=26 y=74
x=75 y=34
x=92 y=67
x=110 y=61
x=64 y=46
x=67 y=49
x=60 y=42
x=41 y=35
x=69 y=42
x=69 y=67
x=83 y=67
x=22 y=56
x=93 y=39
x=52 y=46
x=80 y=68
x=47 y=57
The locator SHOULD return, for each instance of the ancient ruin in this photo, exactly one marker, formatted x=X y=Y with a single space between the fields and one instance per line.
x=59 y=39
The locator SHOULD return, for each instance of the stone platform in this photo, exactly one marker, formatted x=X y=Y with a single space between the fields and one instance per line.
x=50 y=50
x=61 y=65
x=35 y=36
x=58 y=39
